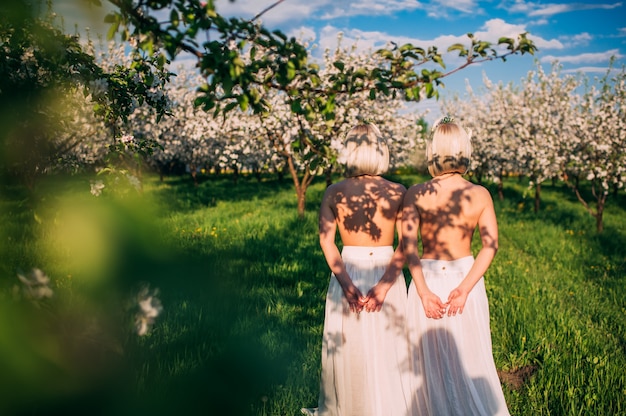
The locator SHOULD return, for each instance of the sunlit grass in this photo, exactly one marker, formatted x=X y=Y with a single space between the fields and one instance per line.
x=242 y=281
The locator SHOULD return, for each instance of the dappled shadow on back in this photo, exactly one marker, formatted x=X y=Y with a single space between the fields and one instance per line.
x=361 y=204
x=445 y=220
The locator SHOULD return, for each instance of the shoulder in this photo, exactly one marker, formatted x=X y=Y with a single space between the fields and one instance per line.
x=479 y=190
x=335 y=187
x=395 y=185
x=420 y=189
x=480 y=196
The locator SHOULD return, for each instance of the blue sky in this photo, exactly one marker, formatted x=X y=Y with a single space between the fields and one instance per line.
x=582 y=35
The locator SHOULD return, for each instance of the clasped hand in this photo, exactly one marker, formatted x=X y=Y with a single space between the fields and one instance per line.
x=436 y=309
x=373 y=302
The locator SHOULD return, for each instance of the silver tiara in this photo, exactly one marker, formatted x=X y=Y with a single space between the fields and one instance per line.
x=443 y=120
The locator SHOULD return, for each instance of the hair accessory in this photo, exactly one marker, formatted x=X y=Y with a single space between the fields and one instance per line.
x=443 y=120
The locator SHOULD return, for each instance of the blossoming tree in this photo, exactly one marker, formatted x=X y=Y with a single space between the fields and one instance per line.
x=545 y=129
x=598 y=155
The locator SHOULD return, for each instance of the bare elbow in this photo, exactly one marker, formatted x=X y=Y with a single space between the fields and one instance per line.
x=494 y=247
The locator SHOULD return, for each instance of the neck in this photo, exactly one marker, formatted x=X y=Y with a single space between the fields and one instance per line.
x=447 y=175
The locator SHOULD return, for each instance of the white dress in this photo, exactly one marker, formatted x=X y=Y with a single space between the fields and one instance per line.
x=365 y=362
x=453 y=371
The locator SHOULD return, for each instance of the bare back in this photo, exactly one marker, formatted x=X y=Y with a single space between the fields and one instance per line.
x=448 y=209
x=364 y=209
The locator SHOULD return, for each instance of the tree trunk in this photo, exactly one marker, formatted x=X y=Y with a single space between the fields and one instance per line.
x=329 y=176
x=301 y=202
x=537 y=197
x=600 y=213
x=599 y=222
x=235 y=174
x=194 y=174
x=301 y=185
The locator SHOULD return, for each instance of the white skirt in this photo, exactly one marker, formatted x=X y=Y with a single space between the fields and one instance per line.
x=453 y=372
x=365 y=362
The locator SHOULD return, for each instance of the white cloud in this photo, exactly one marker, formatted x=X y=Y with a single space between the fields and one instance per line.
x=586 y=69
x=82 y=17
x=365 y=41
x=491 y=31
x=302 y=10
x=303 y=33
x=295 y=11
x=440 y=8
x=584 y=57
x=533 y=9
x=577 y=40
x=550 y=10
x=494 y=29
x=347 y=8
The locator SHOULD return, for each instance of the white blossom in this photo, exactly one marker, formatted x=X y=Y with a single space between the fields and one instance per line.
x=134 y=181
x=35 y=285
x=149 y=307
x=97 y=187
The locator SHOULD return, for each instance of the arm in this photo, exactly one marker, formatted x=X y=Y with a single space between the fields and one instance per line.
x=488 y=229
x=376 y=295
x=327 y=231
x=433 y=306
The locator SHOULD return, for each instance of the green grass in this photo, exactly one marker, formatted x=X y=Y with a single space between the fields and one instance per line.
x=243 y=281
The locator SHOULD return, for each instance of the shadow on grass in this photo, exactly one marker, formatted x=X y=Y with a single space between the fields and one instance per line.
x=236 y=322
x=236 y=319
x=181 y=195
x=604 y=258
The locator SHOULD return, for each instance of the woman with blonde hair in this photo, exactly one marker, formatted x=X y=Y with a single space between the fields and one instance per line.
x=364 y=345
x=453 y=371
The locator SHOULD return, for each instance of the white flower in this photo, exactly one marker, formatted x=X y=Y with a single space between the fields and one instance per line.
x=97 y=187
x=98 y=87
x=36 y=285
x=134 y=181
x=149 y=309
x=127 y=138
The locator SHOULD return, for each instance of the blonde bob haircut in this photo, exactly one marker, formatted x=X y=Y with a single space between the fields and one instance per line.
x=450 y=148
x=365 y=151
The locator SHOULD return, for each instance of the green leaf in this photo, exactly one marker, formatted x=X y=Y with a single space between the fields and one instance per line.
x=429 y=89
x=113 y=29
x=481 y=47
x=438 y=59
x=243 y=101
x=296 y=107
x=385 y=53
x=111 y=18
x=228 y=107
x=457 y=47
x=291 y=71
x=174 y=18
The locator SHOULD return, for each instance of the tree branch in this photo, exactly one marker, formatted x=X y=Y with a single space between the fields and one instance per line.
x=267 y=9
